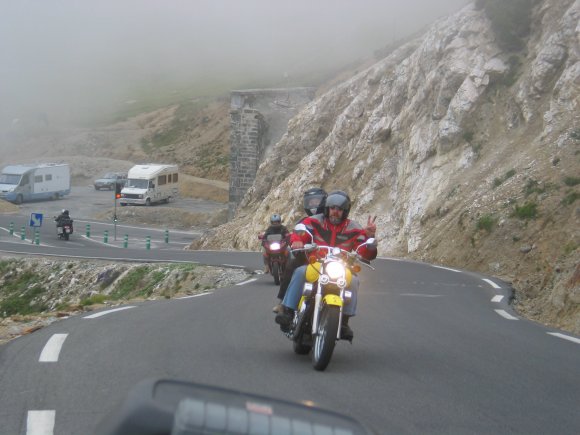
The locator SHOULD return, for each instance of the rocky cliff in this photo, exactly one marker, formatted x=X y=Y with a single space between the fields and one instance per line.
x=468 y=154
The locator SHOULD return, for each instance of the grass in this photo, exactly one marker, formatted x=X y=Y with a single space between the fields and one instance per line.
x=533 y=186
x=570 y=198
x=130 y=282
x=21 y=292
x=527 y=211
x=498 y=181
x=571 y=181
x=93 y=300
x=486 y=222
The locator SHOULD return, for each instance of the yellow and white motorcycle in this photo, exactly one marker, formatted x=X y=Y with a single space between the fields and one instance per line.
x=317 y=321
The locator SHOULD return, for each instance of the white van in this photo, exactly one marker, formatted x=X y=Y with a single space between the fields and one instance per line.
x=20 y=183
x=150 y=183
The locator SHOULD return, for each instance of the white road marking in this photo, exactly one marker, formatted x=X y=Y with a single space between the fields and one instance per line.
x=497 y=298
x=52 y=348
x=491 y=283
x=565 y=337
x=506 y=315
x=447 y=268
x=194 y=296
x=104 y=313
x=248 y=281
x=421 y=295
x=40 y=422
x=233 y=265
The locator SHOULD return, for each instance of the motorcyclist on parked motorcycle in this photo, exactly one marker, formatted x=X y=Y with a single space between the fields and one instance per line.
x=333 y=228
x=313 y=201
x=275 y=227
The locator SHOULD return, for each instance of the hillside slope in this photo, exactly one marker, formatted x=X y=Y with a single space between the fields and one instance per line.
x=468 y=153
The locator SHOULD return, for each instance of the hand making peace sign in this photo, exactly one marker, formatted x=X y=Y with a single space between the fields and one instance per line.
x=371 y=228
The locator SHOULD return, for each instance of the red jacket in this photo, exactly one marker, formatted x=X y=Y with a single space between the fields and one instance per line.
x=347 y=235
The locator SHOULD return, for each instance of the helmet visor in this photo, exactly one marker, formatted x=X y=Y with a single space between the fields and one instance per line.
x=311 y=202
x=336 y=200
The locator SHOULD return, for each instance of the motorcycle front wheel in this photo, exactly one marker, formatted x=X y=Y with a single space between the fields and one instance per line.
x=325 y=338
x=276 y=273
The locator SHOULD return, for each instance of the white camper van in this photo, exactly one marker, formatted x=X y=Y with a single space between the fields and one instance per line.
x=20 y=183
x=150 y=183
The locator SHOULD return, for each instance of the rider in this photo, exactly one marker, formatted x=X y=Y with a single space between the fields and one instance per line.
x=313 y=200
x=333 y=228
x=62 y=218
x=275 y=227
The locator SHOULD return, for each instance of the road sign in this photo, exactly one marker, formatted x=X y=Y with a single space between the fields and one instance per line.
x=35 y=219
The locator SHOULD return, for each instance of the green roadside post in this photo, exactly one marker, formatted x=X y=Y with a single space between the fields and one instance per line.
x=166 y=236
x=11 y=228
x=36 y=236
x=106 y=236
x=22 y=232
x=126 y=241
x=88 y=230
x=148 y=242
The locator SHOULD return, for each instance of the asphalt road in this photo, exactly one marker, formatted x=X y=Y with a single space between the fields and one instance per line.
x=435 y=351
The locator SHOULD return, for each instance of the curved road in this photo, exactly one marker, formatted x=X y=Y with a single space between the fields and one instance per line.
x=436 y=350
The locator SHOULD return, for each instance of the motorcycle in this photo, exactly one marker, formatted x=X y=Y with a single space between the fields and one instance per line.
x=318 y=319
x=64 y=229
x=277 y=251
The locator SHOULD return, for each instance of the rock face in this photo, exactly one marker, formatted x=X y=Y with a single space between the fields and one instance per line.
x=466 y=153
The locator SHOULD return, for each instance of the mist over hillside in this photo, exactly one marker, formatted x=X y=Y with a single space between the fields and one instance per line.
x=70 y=62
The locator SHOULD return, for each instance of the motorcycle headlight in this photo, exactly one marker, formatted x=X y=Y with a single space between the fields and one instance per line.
x=274 y=246
x=335 y=270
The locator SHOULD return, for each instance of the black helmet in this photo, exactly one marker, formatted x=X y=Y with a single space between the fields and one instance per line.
x=338 y=198
x=275 y=219
x=65 y=212
x=314 y=201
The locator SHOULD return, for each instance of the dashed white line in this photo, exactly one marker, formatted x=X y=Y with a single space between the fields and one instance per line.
x=506 y=315
x=447 y=268
x=104 y=313
x=52 y=348
x=491 y=283
x=40 y=422
x=194 y=296
x=565 y=337
x=497 y=298
x=248 y=281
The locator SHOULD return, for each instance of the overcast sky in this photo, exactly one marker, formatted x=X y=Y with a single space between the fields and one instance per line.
x=74 y=54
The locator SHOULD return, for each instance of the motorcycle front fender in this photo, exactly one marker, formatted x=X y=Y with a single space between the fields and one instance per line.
x=332 y=300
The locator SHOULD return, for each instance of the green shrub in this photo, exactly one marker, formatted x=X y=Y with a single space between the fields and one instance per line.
x=571 y=181
x=498 y=181
x=533 y=186
x=570 y=198
x=486 y=222
x=130 y=283
x=95 y=299
x=527 y=211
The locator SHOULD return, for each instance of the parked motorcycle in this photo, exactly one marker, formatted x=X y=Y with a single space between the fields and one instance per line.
x=317 y=321
x=64 y=228
x=277 y=251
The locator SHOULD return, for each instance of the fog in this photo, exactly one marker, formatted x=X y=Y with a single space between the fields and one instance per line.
x=63 y=58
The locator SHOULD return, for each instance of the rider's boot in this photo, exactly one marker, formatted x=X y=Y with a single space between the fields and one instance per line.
x=278 y=307
x=345 y=330
x=284 y=318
